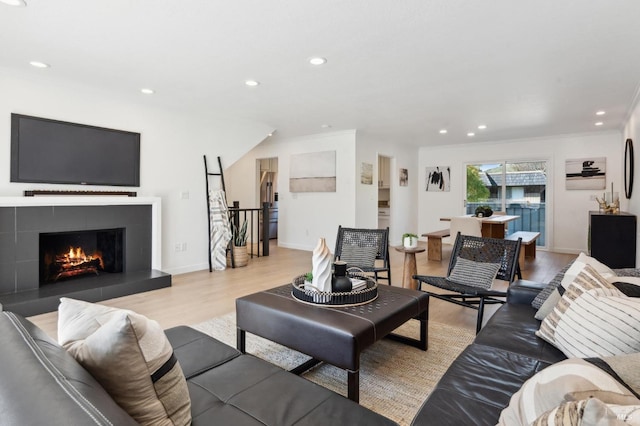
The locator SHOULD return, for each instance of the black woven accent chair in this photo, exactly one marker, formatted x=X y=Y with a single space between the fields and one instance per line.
x=477 y=249
x=353 y=244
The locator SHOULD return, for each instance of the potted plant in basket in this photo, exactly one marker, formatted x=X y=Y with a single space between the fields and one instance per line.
x=240 y=255
x=410 y=240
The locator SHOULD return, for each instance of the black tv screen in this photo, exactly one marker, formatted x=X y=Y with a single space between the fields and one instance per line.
x=51 y=151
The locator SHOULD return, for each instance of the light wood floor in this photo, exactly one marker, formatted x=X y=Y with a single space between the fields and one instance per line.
x=198 y=296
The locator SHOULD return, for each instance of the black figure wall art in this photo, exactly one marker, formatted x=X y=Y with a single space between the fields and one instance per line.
x=438 y=178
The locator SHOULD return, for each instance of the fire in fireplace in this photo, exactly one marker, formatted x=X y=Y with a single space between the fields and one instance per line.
x=67 y=255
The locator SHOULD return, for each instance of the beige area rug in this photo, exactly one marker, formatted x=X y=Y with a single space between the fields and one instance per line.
x=395 y=379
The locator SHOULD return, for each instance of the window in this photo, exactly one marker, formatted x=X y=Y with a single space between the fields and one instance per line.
x=515 y=188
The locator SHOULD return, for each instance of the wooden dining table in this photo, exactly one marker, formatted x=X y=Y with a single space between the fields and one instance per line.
x=493 y=226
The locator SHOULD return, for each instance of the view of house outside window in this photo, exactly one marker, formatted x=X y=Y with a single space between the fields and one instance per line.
x=512 y=188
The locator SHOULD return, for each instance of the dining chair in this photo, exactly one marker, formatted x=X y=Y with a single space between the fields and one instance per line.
x=475 y=263
x=367 y=249
x=466 y=225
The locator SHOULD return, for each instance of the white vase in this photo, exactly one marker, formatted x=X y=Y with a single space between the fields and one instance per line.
x=321 y=261
x=410 y=242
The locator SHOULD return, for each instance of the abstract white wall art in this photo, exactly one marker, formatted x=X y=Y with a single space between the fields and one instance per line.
x=313 y=172
x=586 y=173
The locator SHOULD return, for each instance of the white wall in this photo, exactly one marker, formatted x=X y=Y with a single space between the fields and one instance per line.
x=404 y=199
x=303 y=218
x=567 y=210
x=172 y=145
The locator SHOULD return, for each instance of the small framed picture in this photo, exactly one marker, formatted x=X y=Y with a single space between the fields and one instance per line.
x=404 y=177
x=366 y=174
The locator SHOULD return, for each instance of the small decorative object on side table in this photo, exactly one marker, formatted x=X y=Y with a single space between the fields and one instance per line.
x=410 y=240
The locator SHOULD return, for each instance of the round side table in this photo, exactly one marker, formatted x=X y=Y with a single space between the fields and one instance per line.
x=410 y=269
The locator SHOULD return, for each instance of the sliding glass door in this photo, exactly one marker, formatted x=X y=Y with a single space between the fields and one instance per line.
x=513 y=188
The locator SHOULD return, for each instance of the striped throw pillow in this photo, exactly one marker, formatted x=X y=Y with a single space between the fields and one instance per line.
x=550 y=288
x=474 y=274
x=568 y=274
x=592 y=319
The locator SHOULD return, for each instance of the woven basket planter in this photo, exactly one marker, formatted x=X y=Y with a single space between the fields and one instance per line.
x=240 y=255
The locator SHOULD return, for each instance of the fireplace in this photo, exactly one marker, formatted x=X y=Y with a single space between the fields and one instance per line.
x=70 y=255
x=113 y=234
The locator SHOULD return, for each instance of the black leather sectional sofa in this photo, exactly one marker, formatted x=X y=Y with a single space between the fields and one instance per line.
x=506 y=352
x=41 y=384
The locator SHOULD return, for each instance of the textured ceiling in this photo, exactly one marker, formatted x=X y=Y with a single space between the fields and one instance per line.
x=396 y=70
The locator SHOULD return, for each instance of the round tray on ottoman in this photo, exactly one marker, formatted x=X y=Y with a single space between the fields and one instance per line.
x=351 y=298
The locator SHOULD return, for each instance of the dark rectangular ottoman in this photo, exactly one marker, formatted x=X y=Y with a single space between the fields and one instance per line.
x=336 y=335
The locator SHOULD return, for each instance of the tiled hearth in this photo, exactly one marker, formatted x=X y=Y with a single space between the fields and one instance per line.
x=24 y=219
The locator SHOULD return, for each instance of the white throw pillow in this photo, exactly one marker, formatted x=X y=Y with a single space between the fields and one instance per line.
x=548 y=305
x=586 y=412
x=576 y=267
x=130 y=356
x=557 y=384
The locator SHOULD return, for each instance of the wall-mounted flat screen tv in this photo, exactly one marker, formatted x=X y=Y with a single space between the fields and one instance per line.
x=51 y=151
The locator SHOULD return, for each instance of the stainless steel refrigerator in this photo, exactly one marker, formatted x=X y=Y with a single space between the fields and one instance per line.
x=269 y=194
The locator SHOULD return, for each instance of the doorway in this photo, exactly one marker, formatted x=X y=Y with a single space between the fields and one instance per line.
x=268 y=187
x=384 y=191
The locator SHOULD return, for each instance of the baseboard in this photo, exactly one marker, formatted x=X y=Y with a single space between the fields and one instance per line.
x=566 y=251
x=295 y=246
x=187 y=269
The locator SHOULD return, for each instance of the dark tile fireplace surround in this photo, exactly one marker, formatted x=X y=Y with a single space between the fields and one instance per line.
x=22 y=287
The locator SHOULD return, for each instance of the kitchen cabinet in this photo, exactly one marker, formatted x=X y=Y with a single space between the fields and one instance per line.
x=383 y=217
x=269 y=164
x=612 y=239
x=384 y=172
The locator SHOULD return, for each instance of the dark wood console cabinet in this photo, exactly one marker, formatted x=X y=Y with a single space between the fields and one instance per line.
x=613 y=239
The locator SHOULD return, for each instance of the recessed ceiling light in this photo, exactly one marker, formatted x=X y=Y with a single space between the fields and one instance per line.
x=317 y=60
x=470 y=134
x=443 y=131
x=14 y=2
x=147 y=91
x=599 y=123
x=252 y=83
x=600 y=113
x=326 y=126
x=482 y=126
x=38 y=64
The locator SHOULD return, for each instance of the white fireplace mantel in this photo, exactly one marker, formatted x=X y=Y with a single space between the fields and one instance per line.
x=101 y=200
